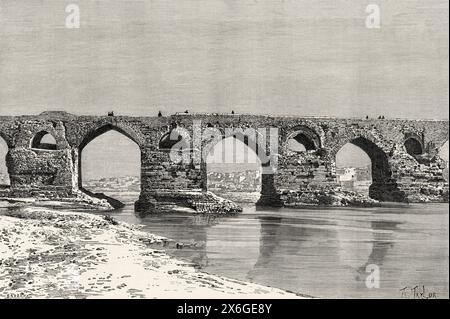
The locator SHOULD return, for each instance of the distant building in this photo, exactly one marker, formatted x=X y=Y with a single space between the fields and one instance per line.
x=346 y=174
x=357 y=179
x=240 y=181
x=123 y=183
x=363 y=173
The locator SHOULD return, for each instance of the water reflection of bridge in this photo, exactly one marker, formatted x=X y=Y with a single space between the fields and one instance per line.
x=288 y=250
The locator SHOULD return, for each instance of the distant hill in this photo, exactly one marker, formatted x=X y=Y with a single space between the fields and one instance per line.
x=228 y=168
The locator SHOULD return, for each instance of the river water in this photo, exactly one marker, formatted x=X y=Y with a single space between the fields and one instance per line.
x=320 y=252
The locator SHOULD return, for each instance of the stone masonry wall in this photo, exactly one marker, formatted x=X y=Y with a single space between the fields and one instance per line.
x=297 y=177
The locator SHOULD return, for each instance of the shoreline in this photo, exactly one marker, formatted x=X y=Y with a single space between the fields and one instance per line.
x=50 y=254
x=221 y=205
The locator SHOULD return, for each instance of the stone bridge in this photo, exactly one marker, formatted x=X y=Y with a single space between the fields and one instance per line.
x=404 y=154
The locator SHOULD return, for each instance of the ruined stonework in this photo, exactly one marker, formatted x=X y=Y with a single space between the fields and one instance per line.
x=405 y=165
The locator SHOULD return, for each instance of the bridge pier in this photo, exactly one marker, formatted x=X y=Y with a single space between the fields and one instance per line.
x=166 y=184
x=41 y=174
x=269 y=195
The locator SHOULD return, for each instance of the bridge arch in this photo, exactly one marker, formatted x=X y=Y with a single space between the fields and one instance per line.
x=106 y=127
x=98 y=131
x=383 y=187
x=302 y=138
x=254 y=141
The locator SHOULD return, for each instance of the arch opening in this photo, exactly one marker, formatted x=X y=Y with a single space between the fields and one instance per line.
x=365 y=168
x=4 y=174
x=303 y=140
x=109 y=166
x=44 y=141
x=234 y=170
x=354 y=169
x=413 y=146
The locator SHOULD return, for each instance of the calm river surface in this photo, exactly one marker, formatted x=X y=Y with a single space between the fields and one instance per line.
x=320 y=252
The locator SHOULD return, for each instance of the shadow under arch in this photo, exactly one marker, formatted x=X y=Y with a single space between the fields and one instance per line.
x=413 y=144
x=7 y=139
x=89 y=137
x=384 y=187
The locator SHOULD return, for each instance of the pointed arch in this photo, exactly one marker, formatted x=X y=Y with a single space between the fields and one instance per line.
x=384 y=187
x=96 y=132
x=106 y=127
x=254 y=141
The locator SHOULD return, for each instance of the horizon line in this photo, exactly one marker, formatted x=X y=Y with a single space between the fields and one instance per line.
x=55 y=112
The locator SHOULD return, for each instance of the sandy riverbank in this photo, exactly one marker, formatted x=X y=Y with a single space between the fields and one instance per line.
x=50 y=254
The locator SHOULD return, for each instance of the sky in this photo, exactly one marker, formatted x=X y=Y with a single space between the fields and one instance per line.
x=279 y=57
x=100 y=160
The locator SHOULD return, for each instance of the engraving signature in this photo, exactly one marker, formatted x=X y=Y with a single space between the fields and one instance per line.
x=17 y=295
x=417 y=292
